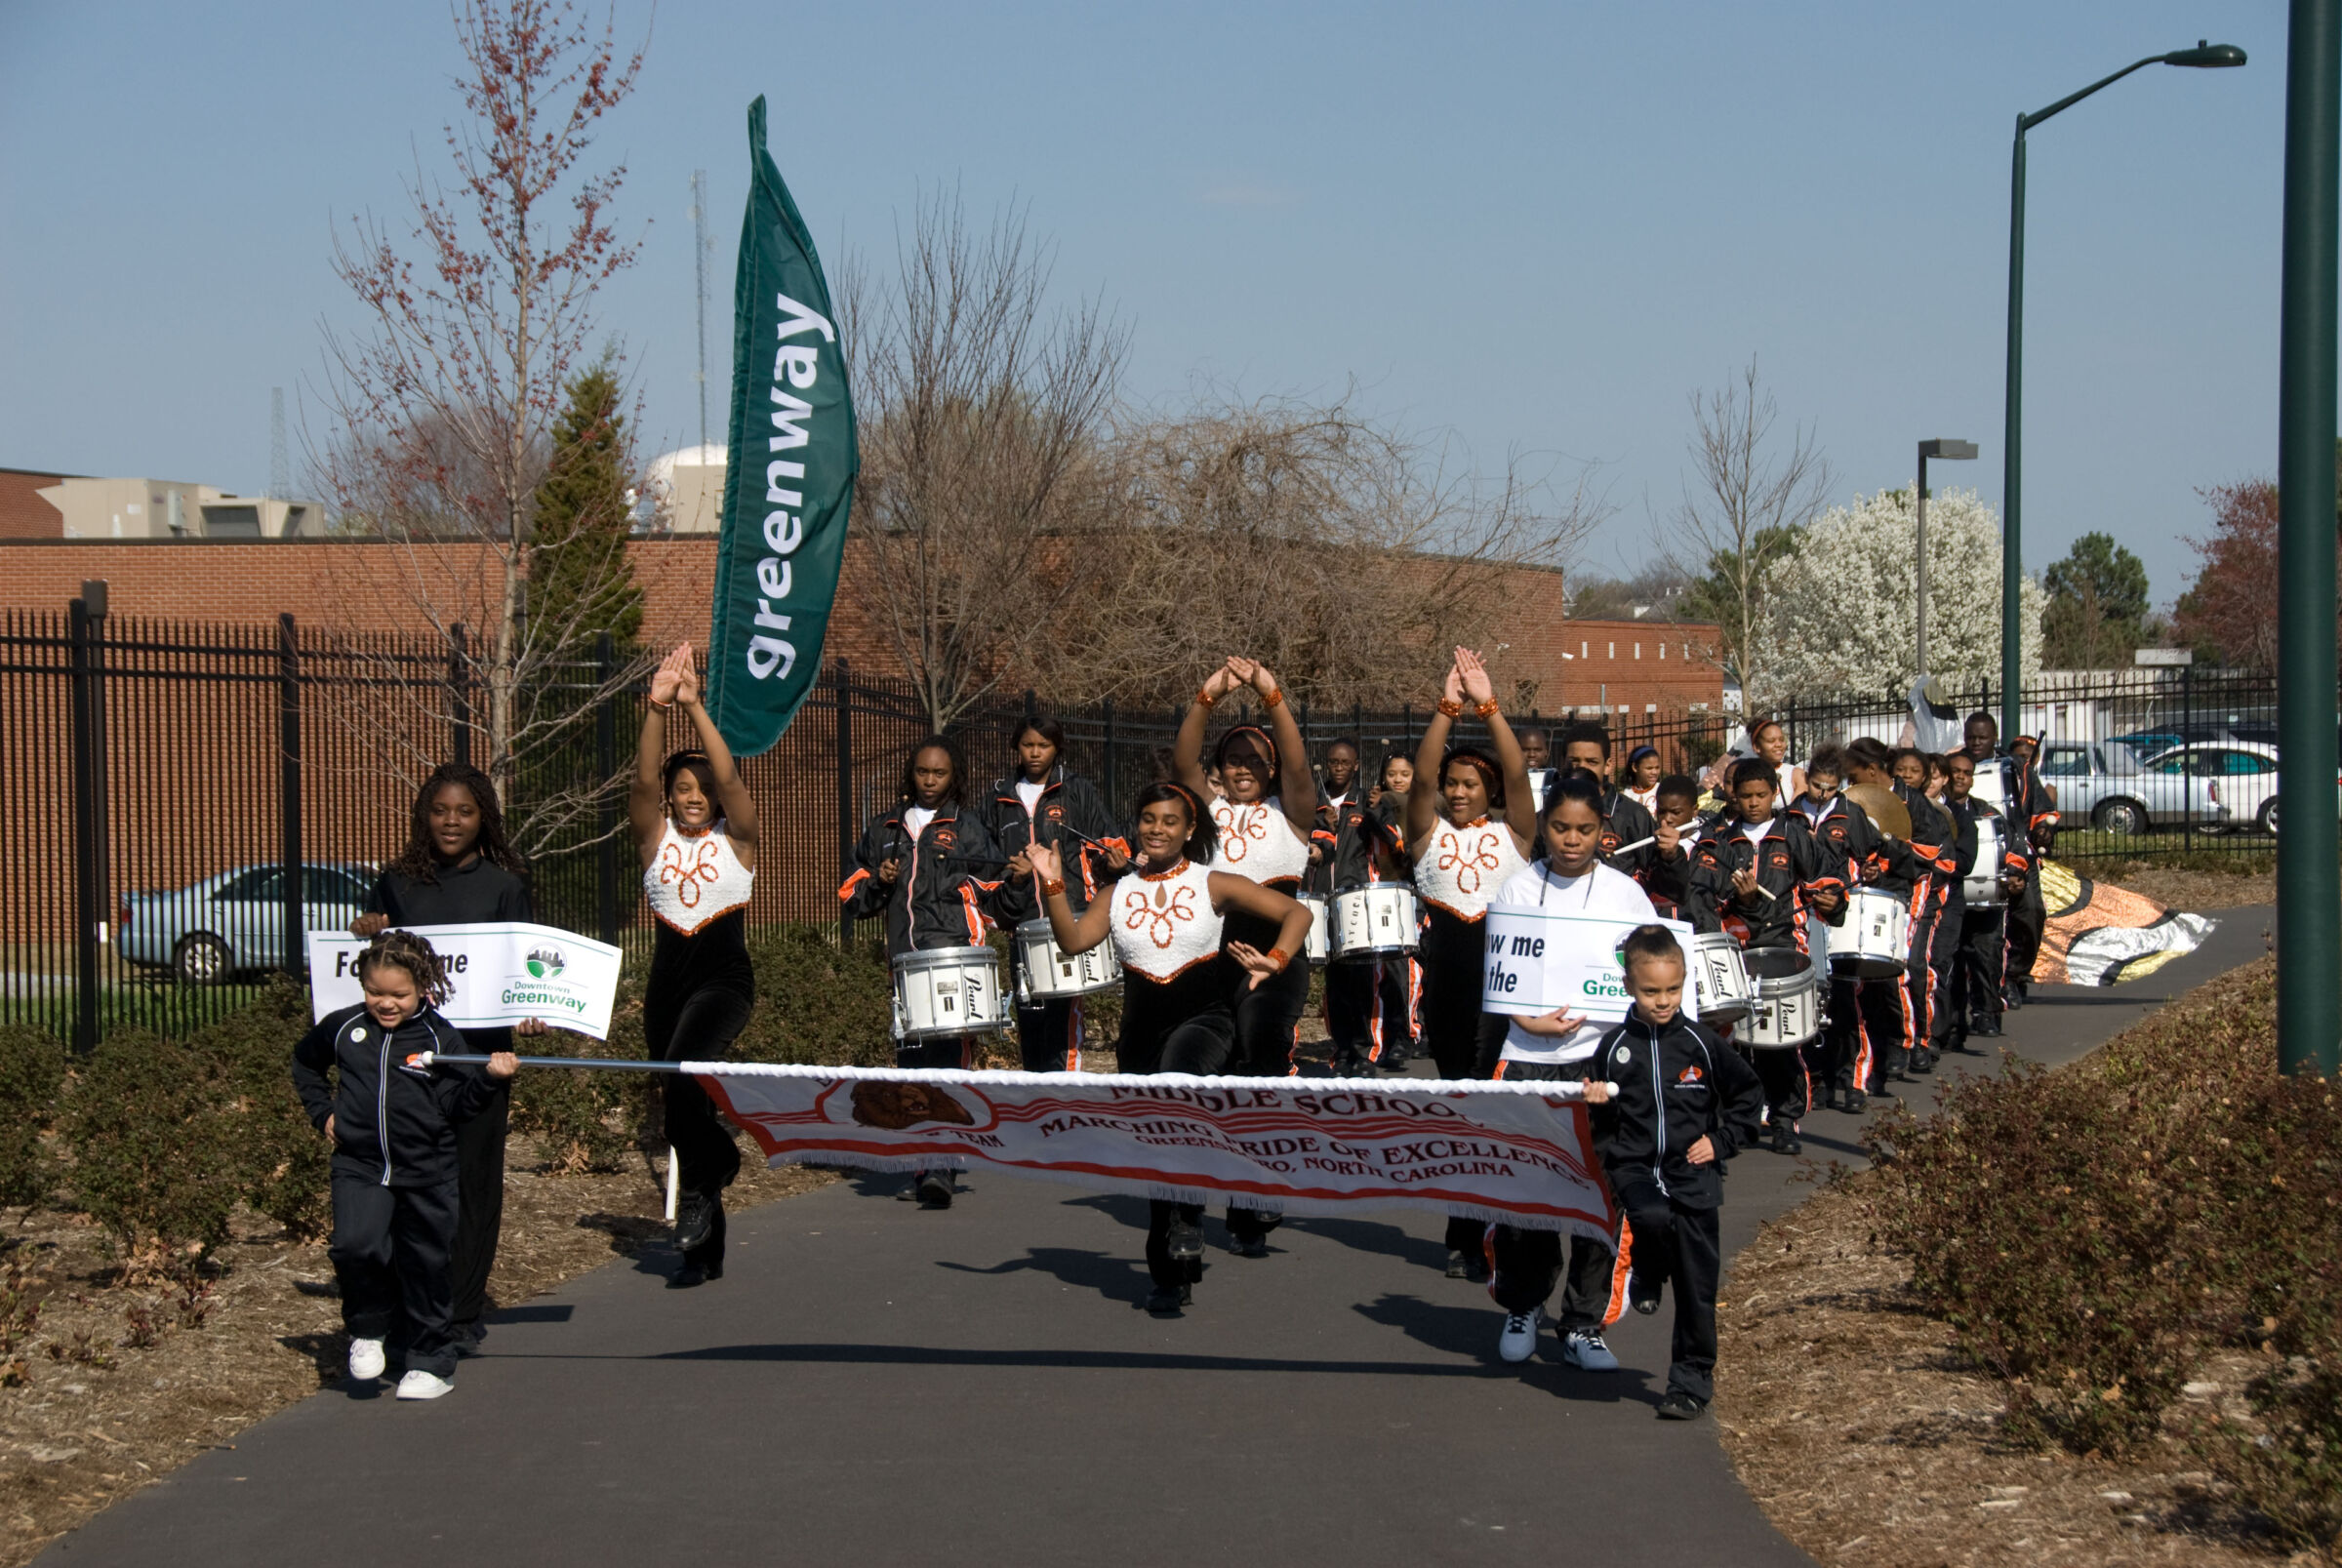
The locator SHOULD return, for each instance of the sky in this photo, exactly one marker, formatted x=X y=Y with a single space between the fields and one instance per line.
x=1532 y=229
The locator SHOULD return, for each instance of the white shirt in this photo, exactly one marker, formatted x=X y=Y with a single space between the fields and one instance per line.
x=1029 y=792
x=696 y=877
x=1164 y=924
x=916 y=820
x=1461 y=868
x=1257 y=842
x=1601 y=891
x=1754 y=832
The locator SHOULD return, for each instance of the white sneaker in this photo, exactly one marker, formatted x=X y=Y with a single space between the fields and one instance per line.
x=1585 y=1350
x=366 y=1360
x=1518 y=1341
x=422 y=1385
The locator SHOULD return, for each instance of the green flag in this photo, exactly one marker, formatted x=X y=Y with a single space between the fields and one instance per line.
x=789 y=471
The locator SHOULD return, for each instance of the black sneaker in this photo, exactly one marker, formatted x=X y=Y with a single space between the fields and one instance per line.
x=1681 y=1406
x=1250 y=1247
x=1183 y=1241
x=1642 y=1293
x=695 y=1220
x=1458 y=1264
x=688 y=1277
x=1854 y=1101
x=935 y=1191
x=1922 y=1061
x=1165 y=1301
x=1785 y=1138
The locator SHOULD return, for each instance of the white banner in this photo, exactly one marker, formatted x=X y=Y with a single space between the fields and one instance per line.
x=1537 y=961
x=1514 y=1152
x=499 y=973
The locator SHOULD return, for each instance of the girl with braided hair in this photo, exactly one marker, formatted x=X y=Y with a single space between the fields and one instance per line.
x=393 y=1117
x=460 y=870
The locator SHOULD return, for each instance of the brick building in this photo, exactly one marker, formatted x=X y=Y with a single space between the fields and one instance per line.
x=1553 y=664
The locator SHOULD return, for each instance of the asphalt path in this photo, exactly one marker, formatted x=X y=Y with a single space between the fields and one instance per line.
x=878 y=1384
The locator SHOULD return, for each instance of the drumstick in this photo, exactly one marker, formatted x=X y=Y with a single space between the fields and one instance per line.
x=1638 y=844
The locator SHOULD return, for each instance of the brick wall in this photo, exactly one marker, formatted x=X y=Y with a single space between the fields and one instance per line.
x=1561 y=665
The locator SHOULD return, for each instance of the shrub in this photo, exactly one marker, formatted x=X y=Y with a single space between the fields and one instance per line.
x=285 y=1164
x=32 y=1070
x=582 y=1120
x=818 y=1002
x=158 y=1158
x=2093 y=1235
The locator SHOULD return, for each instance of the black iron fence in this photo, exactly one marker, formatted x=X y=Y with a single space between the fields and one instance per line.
x=184 y=802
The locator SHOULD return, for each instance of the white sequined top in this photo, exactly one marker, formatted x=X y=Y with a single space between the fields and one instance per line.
x=1459 y=869
x=1257 y=842
x=696 y=877
x=1164 y=925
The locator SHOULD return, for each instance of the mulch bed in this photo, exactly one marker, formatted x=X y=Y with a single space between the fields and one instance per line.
x=125 y=1379
x=1853 y=1421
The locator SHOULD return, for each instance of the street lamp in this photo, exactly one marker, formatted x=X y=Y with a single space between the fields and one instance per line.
x=2204 y=56
x=1949 y=451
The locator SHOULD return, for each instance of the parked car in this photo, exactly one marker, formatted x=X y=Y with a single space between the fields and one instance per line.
x=234 y=922
x=2215 y=785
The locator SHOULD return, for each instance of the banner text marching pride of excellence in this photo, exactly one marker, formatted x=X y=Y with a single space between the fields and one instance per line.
x=1512 y=1153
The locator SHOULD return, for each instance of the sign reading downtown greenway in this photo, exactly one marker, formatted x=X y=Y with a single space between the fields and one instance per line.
x=1539 y=961
x=498 y=975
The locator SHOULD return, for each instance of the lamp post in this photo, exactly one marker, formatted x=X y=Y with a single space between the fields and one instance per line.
x=1949 y=451
x=2309 y=904
x=2204 y=56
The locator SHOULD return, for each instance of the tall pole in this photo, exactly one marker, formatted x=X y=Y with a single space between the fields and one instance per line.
x=2309 y=900
x=2012 y=463
x=1920 y=549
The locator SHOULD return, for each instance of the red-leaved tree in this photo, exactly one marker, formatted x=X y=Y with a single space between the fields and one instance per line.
x=2231 y=607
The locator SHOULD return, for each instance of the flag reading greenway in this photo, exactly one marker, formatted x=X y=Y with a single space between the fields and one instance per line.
x=788 y=474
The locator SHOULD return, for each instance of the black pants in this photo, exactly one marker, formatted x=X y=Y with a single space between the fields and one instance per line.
x=1943 y=962
x=2027 y=915
x=1048 y=1031
x=1788 y=1090
x=1979 y=972
x=480 y=1205
x=390 y=1251
x=1843 y=1059
x=700 y=1029
x=1267 y=1016
x=1888 y=1027
x=1666 y=1241
x=1395 y=1013
x=1528 y=1265
x=1201 y=1044
x=1349 y=1004
x=1926 y=920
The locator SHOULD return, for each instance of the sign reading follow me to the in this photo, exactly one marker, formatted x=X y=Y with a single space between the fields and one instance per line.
x=1539 y=961
x=498 y=975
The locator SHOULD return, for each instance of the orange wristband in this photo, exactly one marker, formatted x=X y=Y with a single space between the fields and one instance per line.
x=1486 y=709
x=1274 y=698
x=1050 y=889
x=1204 y=697
x=1280 y=958
x=1451 y=709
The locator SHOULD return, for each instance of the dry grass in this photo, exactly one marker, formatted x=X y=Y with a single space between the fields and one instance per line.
x=2193 y=891
x=1853 y=1423
x=98 y=1416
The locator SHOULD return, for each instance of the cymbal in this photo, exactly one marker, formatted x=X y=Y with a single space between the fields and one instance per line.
x=1884 y=808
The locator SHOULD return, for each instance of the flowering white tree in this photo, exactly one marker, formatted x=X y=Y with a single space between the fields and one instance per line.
x=1840 y=613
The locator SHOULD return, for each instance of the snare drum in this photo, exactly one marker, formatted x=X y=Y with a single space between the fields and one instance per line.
x=1874 y=942
x=1320 y=946
x=948 y=990
x=1046 y=974
x=1719 y=980
x=1374 y=921
x=1787 y=1009
x=1982 y=885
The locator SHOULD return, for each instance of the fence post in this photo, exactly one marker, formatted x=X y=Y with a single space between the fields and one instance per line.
x=295 y=958
x=605 y=762
x=2187 y=738
x=89 y=772
x=459 y=696
x=845 y=794
x=1108 y=772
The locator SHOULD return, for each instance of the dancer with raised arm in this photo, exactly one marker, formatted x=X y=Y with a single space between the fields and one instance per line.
x=696 y=827
x=1262 y=827
x=1464 y=849
x=1167 y=918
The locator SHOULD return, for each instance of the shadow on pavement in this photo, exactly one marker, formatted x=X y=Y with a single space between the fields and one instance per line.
x=1100 y=1360
x=1115 y=1277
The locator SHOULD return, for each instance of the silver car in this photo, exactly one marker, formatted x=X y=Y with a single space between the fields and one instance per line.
x=2217 y=785
x=209 y=931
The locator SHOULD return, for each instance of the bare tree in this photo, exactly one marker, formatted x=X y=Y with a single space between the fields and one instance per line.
x=478 y=318
x=983 y=458
x=1347 y=555
x=1739 y=515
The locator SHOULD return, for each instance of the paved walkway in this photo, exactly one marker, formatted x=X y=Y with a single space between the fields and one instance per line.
x=876 y=1384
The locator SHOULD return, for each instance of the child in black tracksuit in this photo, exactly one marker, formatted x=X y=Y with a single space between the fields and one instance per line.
x=393 y=1122
x=1684 y=1101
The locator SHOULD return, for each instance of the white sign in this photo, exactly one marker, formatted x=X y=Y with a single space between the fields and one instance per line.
x=1537 y=961
x=498 y=975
